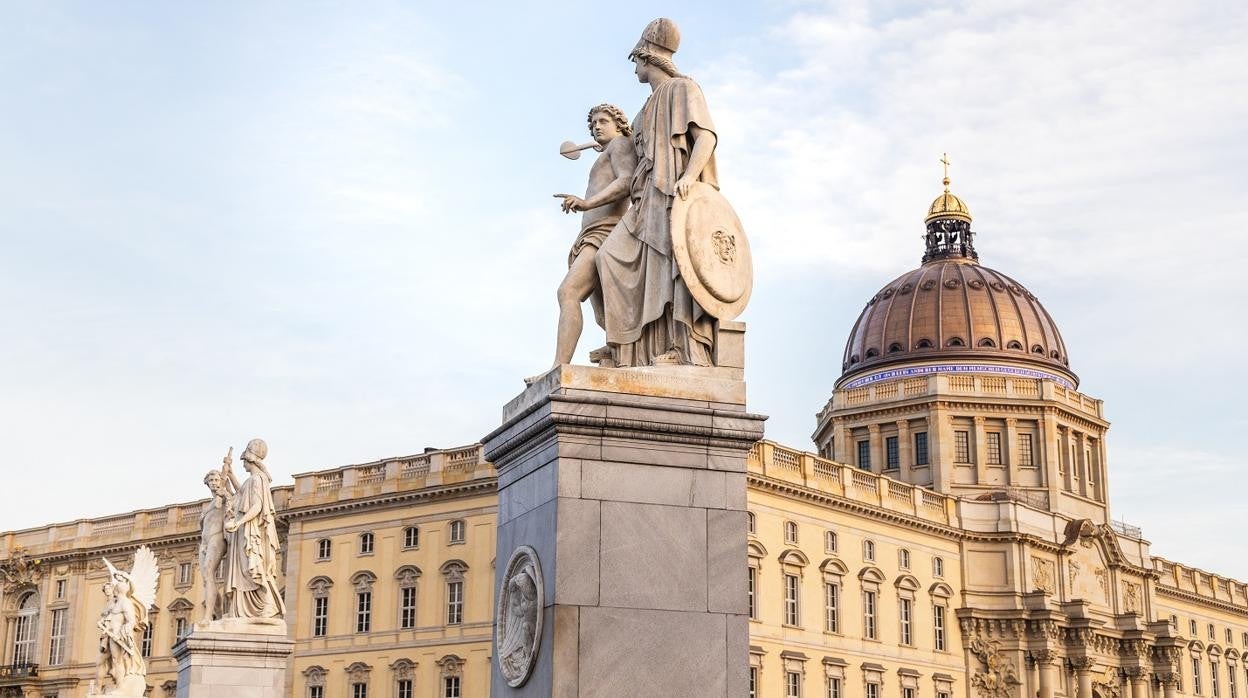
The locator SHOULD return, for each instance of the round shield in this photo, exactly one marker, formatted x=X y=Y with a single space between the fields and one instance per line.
x=712 y=251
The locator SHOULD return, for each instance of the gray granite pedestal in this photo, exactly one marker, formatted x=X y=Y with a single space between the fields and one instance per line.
x=630 y=486
x=222 y=664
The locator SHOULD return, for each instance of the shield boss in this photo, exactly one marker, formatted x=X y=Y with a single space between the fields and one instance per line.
x=712 y=251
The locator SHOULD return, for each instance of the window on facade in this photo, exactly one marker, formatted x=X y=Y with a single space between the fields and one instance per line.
x=892 y=452
x=920 y=448
x=145 y=643
x=323 y=547
x=1244 y=641
x=834 y=687
x=1191 y=627
x=864 y=455
x=60 y=588
x=1232 y=687
x=184 y=573
x=753 y=682
x=905 y=612
x=903 y=559
x=938 y=567
x=751 y=523
x=1213 y=633
x=316 y=692
x=962 y=446
x=450 y=687
x=56 y=652
x=363 y=611
x=1229 y=636
x=868 y=615
x=320 y=616
x=180 y=627
x=873 y=690
x=942 y=694
x=868 y=551
x=403 y=689
x=366 y=543
x=792 y=684
x=1196 y=675
x=790 y=532
x=359 y=690
x=411 y=537
x=994 y=448
x=907 y=692
x=407 y=608
x=458 y=531
x=831 y=607
x=938 y=627
x=1026 y=455
x=829 y=541
x=752 y=589
x=792 y=608
x=1213 y=678
x=454 y=603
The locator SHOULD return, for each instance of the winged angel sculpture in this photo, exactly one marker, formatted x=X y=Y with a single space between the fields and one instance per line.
x=129 y=596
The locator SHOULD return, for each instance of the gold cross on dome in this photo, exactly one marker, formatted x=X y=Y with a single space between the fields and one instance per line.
x=945 y=161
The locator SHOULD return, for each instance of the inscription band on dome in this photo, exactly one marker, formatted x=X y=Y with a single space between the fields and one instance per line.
x=956 y=368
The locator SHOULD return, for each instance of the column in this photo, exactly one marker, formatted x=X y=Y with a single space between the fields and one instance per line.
x=905 y=449
x=1083 y=671
x=940 y=448
x=877 y=449
x=980 y=452
x=1009 y=452
x=844 y=446
x=1137 y=678
x=1170 y=684
x=1046 y=660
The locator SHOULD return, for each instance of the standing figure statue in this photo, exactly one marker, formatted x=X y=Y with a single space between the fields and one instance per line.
x=130 y=595
x=251 y=585
x=606 y=200
x=212 y=545
x=657 y=307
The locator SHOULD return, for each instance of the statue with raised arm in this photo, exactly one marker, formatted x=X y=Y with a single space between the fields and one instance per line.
x=678 y=263
x=130 y=595
x=212 y=545
x=251 y=590
x=606 y=199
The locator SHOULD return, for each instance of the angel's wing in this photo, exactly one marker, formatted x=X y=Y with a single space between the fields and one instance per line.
x=143 y=576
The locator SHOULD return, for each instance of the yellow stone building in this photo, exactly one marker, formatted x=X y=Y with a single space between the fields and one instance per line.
x=949 y=537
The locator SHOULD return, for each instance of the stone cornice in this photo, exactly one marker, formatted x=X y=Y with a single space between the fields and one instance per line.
x=1189 y=597
x=784 y=487
x=459 y=489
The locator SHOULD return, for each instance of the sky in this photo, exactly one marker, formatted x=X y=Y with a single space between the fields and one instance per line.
x=330 y=224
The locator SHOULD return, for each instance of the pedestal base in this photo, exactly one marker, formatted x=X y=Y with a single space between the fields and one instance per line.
x=629 y=484
x=213 y=664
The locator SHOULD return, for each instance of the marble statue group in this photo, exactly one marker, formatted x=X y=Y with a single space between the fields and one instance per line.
x=660 y=254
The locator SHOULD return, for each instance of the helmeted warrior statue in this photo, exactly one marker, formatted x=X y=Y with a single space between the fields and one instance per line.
x=251 y=579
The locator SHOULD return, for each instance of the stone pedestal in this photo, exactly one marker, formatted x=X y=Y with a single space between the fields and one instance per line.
x=629 y=485
x=216 y=664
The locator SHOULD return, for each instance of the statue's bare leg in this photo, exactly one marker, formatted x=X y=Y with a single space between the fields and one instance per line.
x=577 y=285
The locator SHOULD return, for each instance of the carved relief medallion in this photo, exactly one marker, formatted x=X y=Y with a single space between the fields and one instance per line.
x=518 y=629
x=1042 y=574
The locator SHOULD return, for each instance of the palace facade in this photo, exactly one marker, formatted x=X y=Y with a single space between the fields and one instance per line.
x=949 y=537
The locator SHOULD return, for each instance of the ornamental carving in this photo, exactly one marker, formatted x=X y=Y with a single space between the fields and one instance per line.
x=1075 y=569
x=1107 y=685
x=19 y=570
x=1131 y=597
x=519 y=617
x=999 y=677
x=1102 y=580
x=1042 y=573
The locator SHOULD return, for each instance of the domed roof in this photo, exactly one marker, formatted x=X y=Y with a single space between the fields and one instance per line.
x=953 y=308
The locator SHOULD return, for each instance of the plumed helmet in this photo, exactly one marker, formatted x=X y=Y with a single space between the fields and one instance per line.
x=257 y=449
x=660 y=36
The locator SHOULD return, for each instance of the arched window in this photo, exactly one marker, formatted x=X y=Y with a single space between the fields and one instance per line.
x=320 y=587
x=903 y=559
x=872 y=353
x=987 y=342
x=1037 y=349
x=459 y=531
x=404 y=671
x=366 y=543
x=955 y=342
x=923 y=344
x=790 y=532
x=938 y=567
x=26 y=629
x=452 y=676
x=751 y=523
x=455 y=571
x=363 y=583
x=894 y=348
x=868 y=550
x=314 y=679
x=357 y=679
x=1014 y=344
x=829 y=541
x=411 y=537
x=323 y=548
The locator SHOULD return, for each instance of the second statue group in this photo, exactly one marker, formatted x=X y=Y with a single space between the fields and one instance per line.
x=661 y=254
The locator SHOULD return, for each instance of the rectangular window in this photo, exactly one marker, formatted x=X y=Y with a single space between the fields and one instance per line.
x=145 y=643
x=920 y=448
x=834 y=687
x=1196 y=676
x=1191 y=627
x=905 y=611
x=404 y=689
x=938 y=625
x=411 y=537
x=907 y=693
x=1213 y=679
x=323 y=547
x=942 y=694
x=1213 y=633
x=320 y=616
x=1026 y=456
x=962 y=446
x=792 y=684
x=832 y=607
x=864 y=455
x=454 y=603
x=316 y=692
x=753 y=682
x=184 y=573
x=938 y=567
x=366 y=544
x=791 y=609
x=60 y=589
x=24 y=640
x=56 y=653
x=458 y=531
x=359 y=690
x=994 y=448
x=751 y=589
x=893 y=452
x=873 y=690
x=179 y=629
x=363 y=611
x=450 y=687
x=868 y=614
x=407 y=608
x=1231 y=688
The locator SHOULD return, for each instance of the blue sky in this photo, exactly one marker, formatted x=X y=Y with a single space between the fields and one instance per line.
x=330 y=224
